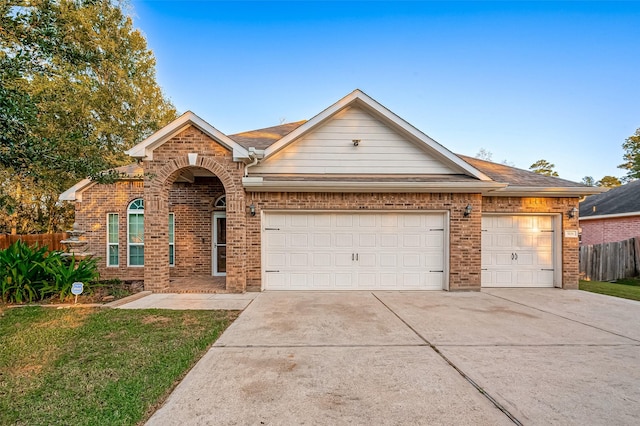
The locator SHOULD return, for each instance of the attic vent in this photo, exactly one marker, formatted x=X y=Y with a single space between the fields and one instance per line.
x=594 y=209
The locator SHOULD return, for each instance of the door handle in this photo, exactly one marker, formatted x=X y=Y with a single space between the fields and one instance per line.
x=352 y=257
x=356 y=256
x=516 y=256
x=511 y=256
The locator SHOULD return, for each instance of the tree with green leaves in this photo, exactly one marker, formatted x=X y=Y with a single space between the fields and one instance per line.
x=543 y=167
x=77 y=88
x=589 y=181
x=609 y=182
x=631 y=156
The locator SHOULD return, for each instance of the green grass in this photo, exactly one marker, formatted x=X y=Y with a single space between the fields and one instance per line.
x=627 y=288
x=97 y=366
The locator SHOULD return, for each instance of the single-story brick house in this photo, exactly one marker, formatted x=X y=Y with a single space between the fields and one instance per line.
x=611 y=216
x=354 y=198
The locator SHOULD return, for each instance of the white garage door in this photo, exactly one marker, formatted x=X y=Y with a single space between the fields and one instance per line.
x=518 y=251
x=353 y=251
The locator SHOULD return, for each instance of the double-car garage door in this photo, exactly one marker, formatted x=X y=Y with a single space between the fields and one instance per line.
x=354 y=251
x=399 y=251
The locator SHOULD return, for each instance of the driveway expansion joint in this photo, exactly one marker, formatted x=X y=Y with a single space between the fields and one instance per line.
x=452 y=365
x=563 y=317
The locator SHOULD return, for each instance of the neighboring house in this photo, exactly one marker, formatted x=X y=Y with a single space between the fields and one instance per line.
x=353 y=199
x=611 y=216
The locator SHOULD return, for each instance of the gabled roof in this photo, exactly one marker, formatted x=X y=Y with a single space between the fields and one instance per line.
x=130 y=171
x=362 y=100
x=144 y=150
x=621 y=201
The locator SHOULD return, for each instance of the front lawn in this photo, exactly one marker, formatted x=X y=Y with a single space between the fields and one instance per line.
x=627 y=288
x=96 y=366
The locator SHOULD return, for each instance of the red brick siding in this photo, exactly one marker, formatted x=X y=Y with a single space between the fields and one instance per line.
x=91 y=217
x=599 y=231
x=545 y=205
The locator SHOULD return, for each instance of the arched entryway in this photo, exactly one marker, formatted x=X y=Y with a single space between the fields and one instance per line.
x=204 y=233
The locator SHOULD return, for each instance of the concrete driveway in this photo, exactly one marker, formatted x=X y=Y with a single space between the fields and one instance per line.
x=502 y=356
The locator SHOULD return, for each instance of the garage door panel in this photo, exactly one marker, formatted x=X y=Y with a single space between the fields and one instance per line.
x=354 y=250
x=298 y=280
x=344 y=221
x=299 y=221
x=389 y=240
x=321 y=260
x=321 y=221
x=343 y=240
x=276 y=241
x=367 y=240
x=367 y=260
x=367 y=221
x=299 y=260
x=322 y=280
x=344 y=280
x=388 y=260
x=434 y=240
x=410 y=240
x=299 y=240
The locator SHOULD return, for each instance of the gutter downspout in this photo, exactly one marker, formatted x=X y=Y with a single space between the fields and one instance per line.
x=254 y=157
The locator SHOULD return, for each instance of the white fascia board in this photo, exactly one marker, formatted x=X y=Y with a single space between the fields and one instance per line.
x=362 y=99
x=257 y=184
x=536 y=191
x=75 y=192
x=610 y=216
x=145 y=148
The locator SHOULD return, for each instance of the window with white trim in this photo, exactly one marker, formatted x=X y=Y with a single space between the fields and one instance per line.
x=135 y=232
x=172 y=246
x=113 y=228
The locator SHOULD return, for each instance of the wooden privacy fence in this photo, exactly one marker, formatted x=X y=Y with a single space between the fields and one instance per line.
x=52 y=241
x=610 y=261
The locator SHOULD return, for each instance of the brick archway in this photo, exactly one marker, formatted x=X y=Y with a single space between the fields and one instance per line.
x=156 y=194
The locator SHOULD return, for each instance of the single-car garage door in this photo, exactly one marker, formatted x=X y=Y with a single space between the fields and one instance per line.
x=353 y=251
x=518 y=251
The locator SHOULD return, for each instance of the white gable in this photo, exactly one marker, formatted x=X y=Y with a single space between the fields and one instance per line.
x=329 y=149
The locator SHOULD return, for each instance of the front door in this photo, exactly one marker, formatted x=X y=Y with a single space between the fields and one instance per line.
x=219 y=249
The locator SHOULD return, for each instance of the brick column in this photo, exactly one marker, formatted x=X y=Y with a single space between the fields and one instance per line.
x=156 y=237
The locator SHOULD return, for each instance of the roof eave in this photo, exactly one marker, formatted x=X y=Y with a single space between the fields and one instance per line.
x=75 y=192
x=533 y=191
x=610 y=216
x=258 y=184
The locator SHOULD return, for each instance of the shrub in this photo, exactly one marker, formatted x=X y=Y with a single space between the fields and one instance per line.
x=64 y=271
x=28 y=272
x=22 y=274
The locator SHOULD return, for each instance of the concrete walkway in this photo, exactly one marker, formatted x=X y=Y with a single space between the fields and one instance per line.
x=541 y=356
x=188 y=301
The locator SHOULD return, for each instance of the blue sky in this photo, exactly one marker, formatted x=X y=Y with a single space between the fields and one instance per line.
x=523 y=80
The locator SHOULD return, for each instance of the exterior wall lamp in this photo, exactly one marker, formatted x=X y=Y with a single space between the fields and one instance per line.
x=467 y=210
x=252 y=210
x=573 y=213
x=356 y=142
